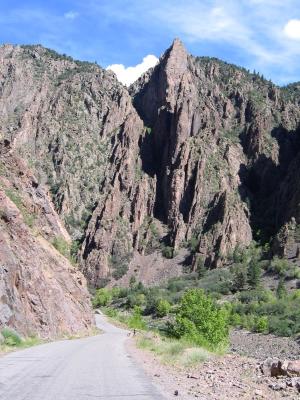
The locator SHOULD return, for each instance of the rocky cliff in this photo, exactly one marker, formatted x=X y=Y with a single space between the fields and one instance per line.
x=40 y=291
x=224 y=144
x=198 y=153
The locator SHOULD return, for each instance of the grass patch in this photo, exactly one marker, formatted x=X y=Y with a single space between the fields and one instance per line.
x=17 y=200
x=172 y=351
x=12 y=341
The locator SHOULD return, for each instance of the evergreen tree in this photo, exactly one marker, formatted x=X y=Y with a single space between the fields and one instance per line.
x=281 y=291
x=253 y=274
x=239 y=278
x=201 y=270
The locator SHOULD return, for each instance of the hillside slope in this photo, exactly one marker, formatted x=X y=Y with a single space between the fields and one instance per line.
x=40 y=291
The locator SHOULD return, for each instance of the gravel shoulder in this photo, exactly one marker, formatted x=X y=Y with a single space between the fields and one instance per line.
x=228 y=377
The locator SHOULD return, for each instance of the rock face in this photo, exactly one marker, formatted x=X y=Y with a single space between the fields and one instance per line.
x=40 y=291
x=225 y=145
x=197 y=150
x=76 y=124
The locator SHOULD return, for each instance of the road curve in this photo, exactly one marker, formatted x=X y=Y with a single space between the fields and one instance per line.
x=97 y=367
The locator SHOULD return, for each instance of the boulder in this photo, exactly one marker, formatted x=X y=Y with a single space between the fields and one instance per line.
x=292 y=368
x=271 y=367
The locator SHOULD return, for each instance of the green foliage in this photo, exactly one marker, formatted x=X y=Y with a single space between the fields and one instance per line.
x=254 y=274
x=28 y=217
x=11 y=338
x=136 y=321
x=200 y=267
x=74 y=249
x=102 y=297
x=62 y=246
x=167 y=251
x=200 y=320
x=136 y=299
x=280 y=266
x=163 y=308
x=239 y=278
x=262 y=324
x=261 y=311
x=119 y=271
x=193 y=244
x=281 y=291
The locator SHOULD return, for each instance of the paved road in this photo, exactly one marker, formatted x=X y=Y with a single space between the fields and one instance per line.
x=97 y=367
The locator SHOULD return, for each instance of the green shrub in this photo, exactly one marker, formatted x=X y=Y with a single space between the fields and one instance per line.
x=200 y=320
x=281 y=291
x=255 y=295
x=193 y=244
x=119 y=271
x=162 y=308
x=262 y=324
x=11 y=338
x=62 y=246
x=74 y=249
x=279 y=266
x=102 y=297
x=14 y=196
x=136 y=299
x=167 y=251
x=200 y=267
x=135 y=321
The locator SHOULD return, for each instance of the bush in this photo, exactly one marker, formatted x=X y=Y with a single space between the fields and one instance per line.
x=162 y=308
x=135 y=321
x=75 y=246
x=167 y=252
x=262 y=324
x=200 y=320
x=11 y=338
x=281 y=291
x=102 y=297
x=200 y=267
x=279 y=266
x=136 y=299
x=62 y=246
x=119 y=271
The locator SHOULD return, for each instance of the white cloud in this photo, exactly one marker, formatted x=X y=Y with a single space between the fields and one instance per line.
x=292 y=29
x=71 y=15
x=131 y=74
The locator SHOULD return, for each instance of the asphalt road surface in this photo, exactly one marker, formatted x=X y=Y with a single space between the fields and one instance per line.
x=97 y=367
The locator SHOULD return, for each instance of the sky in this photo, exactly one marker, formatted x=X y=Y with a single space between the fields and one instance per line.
x=129 y=36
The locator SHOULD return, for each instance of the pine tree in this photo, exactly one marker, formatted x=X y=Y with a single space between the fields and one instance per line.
x=281 y=291
x=253 y=274
x=239 y=278
x=200 y=267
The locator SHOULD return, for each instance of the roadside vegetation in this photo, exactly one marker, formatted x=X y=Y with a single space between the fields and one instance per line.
x=199 y=308
x=11 y=340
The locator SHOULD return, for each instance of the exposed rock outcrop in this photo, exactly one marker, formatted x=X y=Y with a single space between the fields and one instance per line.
x=40 y=291
x=223 y=141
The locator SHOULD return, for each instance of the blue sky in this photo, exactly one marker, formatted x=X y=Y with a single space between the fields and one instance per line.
x=258 y=34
